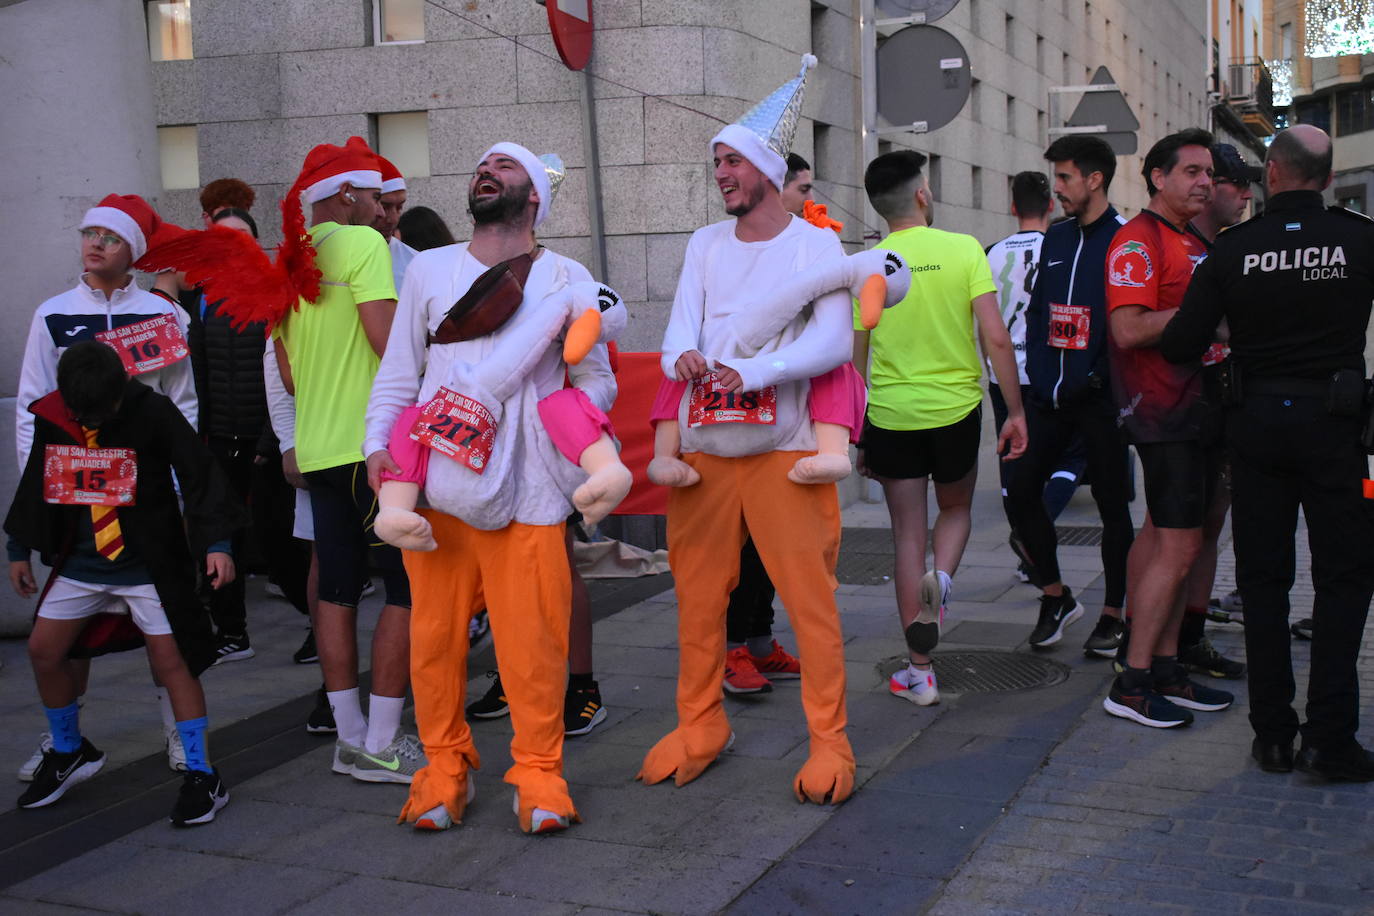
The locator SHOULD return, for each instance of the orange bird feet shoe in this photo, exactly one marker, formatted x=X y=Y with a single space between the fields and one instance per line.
x=684 y=751
x=828 y=776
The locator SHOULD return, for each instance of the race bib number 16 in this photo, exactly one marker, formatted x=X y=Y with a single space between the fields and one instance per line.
x=147 y=346
x=457 y=427
x=76 y=476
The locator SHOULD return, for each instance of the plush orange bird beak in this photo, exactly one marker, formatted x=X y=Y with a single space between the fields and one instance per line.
x=871 y=297
x=584 y=331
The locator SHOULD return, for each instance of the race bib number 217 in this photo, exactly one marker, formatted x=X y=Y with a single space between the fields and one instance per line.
x=457 y=427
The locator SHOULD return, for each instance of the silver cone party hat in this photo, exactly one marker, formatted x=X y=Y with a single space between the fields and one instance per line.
x=553 y=167
x=775 y=119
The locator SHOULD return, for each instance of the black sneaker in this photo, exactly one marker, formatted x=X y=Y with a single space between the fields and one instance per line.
x=1191 y=695
x=232 y=648
x=493 y=704
x=1202 y=658
x=1119 y=663
x=582 y=710
x=321 y=721
x=1144 y=706
x=1106 y=637
x=1302 y=629
x=307 y=654
x=1056 y=613
x=59 y=772
x=202 y=795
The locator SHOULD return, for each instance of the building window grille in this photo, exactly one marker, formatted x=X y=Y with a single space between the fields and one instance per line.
x=1354 y=111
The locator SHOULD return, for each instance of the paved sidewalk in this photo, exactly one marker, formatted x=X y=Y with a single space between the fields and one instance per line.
x=1032 y=801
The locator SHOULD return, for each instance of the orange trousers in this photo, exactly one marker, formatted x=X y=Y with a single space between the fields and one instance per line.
x=796 y=529
x=520 y=573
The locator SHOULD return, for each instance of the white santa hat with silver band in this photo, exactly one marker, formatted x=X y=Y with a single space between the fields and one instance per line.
x=546 y=172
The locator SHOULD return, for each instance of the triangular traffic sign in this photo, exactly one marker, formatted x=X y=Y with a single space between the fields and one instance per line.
x=1111 y=110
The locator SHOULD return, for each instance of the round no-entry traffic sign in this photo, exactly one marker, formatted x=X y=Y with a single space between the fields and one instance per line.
x=570 y=21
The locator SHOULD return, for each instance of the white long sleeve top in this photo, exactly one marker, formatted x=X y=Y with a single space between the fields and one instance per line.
x=526 y=479
x=721 y=276
x=79 y=314
x=281 y=406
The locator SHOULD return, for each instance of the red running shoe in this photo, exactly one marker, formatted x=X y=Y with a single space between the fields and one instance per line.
x=742 y=675
x=777 y=664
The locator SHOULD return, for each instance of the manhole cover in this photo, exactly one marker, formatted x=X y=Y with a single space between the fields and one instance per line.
x=990 y=672
x=1078 y=535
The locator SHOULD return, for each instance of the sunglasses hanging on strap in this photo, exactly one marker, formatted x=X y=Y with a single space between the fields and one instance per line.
x=488 y=303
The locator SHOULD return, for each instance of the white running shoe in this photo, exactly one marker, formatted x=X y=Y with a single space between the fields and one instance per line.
x=345 y=757
x=438 y=818
x=915 y=685
x=542 y=820
x=30 y=766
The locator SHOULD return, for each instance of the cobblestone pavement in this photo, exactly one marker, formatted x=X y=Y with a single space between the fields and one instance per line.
x=1020 y=802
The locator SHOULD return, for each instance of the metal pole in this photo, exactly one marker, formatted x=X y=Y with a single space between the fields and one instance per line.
x=592 y=156
x=868 y=84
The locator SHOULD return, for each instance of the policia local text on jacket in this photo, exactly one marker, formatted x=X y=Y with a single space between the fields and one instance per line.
x=1295 y=287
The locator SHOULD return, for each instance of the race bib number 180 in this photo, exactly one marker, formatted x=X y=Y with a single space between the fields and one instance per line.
x=76 y=476
x=1069 y=325
x=711 y=404
x=457 y=427
x=147 y=346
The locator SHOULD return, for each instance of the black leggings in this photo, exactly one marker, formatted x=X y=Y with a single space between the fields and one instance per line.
x=1050 y=432
x=750 y=612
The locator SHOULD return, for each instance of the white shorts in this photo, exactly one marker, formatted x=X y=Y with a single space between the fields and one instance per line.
x=69 y=599
x=305 y=519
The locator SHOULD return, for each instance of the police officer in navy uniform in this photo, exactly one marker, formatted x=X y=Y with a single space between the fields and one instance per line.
x=1295 y=287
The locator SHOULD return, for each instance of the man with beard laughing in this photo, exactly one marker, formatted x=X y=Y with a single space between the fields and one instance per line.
x=498 y=522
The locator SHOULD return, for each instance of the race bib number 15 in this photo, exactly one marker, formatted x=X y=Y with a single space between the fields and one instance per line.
x=76 y=476
x=457 y=427
x=147 y=346
x=711 y=404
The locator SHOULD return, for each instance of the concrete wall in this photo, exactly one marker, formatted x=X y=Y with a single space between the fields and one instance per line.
x=271 y=78
x=1155 y=51
x=77 y=125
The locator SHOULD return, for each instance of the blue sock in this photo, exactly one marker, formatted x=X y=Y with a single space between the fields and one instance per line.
x=192 y=733
x=65 y=727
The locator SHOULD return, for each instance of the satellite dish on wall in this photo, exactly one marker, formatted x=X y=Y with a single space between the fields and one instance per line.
x=923 y=78
x=931 y=9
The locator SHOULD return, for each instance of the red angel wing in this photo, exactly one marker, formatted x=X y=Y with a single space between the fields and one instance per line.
x=228 y=265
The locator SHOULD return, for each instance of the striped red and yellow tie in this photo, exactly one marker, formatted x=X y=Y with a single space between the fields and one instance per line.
x=109 y=540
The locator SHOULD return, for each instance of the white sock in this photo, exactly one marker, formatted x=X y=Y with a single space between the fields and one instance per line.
x=384 y=721
x=164 y=702
x=348 y=715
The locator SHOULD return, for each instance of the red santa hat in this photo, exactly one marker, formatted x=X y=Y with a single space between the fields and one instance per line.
x=133 y=219
x=327 y=169
x=392 y=179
